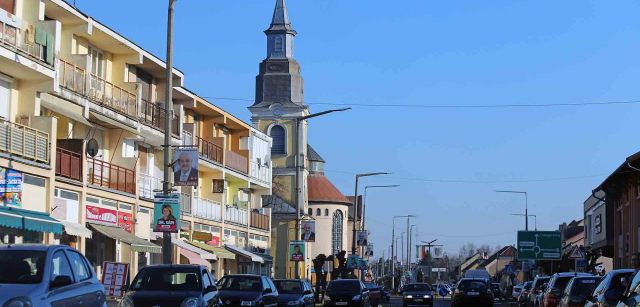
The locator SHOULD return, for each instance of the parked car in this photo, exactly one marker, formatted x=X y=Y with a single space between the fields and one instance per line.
x=578 y=290
x=347 y=292
x=610 y=288
x=247 y=290
x=386 y=294
x=472 y=292
x=171 y=285
x=536 y=290
x=477 y=274
x=497 y=293
x=49 y=275
x=294 y=292
x=523 y=298
x=556 y=286
x=631 y=296
x=417 y=294
x=516 y=291
x=375 y=295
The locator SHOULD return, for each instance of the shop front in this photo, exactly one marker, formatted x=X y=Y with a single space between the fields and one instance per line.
x=19 y=226
x=248 y=262
x=66 y=209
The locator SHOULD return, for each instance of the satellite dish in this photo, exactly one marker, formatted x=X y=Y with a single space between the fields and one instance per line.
x=92 y=148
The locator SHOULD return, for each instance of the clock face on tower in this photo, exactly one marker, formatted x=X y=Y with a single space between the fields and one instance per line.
x=277 y=110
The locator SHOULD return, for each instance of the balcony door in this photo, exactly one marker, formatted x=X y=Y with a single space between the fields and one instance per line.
x=97 y=62
x=5 y=98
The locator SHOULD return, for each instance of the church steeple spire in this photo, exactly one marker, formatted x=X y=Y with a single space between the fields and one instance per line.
x=280 y=21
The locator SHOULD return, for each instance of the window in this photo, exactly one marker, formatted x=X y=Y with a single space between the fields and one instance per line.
x=336 y=232
x=310 y=212
x=205 y=279
x=60 y=266
x=8 y=5
x=5 y=96
x=79 y=266
x=277 y=133
x=318 y=212
x=326 y=212
x=128 y=148
x=97 y=62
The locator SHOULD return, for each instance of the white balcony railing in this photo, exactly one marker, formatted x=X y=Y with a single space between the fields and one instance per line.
x=24 y=141
x=259 y=172
x=207 y=209
x=235 y=215
x=147 y=184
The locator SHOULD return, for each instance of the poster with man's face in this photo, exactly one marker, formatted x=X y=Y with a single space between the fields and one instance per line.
x=309 y=231
x=362 y=238
x=296 y=250
x=185 y=167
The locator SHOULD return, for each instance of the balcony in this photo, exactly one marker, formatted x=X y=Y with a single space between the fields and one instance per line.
x=68 y=164
x=147 y=184
x=237 y=162
x=24 y=142
x=153 y=114
x=260 y=221
x=260 y=172
x=185 y=203
x=111 y=176
x=235 y=215
x=71 y=77
x=18 y=39
x=207 y=209
x=209 y=150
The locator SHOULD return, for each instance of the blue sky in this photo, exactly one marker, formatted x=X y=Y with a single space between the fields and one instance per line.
x=447 y=161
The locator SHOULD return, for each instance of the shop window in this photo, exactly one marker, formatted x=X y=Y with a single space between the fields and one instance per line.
x=125 y=207
x=33 y=180
x=67 y=194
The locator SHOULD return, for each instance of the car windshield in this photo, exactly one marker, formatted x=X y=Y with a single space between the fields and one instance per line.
x=561 y=283
x=241 y=283
x=583 y=287
x=527 y=285
x=472 y=285
x=288 y=286
x=350 y=286
x=540 y=281
x=370 y=286
x=417 y=287
x=21 y=266
x=167 y=279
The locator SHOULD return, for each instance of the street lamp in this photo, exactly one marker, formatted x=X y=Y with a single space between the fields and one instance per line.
x=535 y=219
x=409 y=244
x=393 y=251
x=526 y=205
x=364 y=200
x=355 y=207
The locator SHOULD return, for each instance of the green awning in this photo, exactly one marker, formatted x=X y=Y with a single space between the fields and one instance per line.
x=220 y=252
x=29 y=220
x=137 y=244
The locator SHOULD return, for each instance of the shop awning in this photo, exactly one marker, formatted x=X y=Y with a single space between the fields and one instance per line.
x=29 y=220
x=244 y=253
x=194 y=258
x=137 y=244
x=203 y=254
x=218 y=251
x=74 y=229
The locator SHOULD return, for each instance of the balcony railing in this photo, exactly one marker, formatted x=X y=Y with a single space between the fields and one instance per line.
x=207 y=209
x=71 y=77
x=237 y=162
x=19 y=39
x=209 y=150
x=112 y=96
x=260 y=172
x=153 y=114
x=260 y=221
x=25 y=142
x=68 y=164
x=108 y=175
x=235 y=215
x=147 y=184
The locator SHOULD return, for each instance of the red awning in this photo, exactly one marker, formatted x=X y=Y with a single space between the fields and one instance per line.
x=194 y=258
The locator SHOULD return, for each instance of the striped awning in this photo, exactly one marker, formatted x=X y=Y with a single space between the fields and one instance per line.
x=137 y=244
x=75 y=229
x=29 y=220
x=247 y=254
x=218 y=251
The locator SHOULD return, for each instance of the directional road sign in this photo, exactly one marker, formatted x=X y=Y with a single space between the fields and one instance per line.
x=539 y=245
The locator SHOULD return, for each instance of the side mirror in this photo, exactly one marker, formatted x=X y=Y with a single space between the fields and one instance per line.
x=210 y=289
x=267 y=291
x=60 y=281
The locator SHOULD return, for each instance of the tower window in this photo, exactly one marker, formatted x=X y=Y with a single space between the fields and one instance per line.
x=318 y=212
x=277 y=45
x=326 y=212
x=277 y=133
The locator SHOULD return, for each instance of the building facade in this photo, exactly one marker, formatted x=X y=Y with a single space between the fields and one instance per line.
x=81 y=134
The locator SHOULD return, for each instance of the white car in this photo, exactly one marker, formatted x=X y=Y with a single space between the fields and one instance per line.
x=516 y=291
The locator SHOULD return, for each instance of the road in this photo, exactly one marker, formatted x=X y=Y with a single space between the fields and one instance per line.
x=440 y=302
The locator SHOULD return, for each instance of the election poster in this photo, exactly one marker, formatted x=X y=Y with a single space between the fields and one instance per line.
x=185 y=167
x=309 y=231
x=166 y=212
x=10 y=187
x=296 y=250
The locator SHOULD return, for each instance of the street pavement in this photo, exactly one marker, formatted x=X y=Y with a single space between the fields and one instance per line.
x=439 y=302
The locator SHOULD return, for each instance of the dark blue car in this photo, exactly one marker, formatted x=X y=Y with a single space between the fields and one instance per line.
x=248 y=290
x=294 y=292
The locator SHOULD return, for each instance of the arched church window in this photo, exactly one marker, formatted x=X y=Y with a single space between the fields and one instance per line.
x=318 y=212
x=326 y=212
x=310 y=212
x=336 y=232
x=277 y=133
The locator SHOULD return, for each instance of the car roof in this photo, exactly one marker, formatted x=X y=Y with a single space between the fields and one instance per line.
x=173 y=266
x=290 y=279
x=243 y=275
x=31 y=247
x=344 y=280
x=570 y=274
x=621 y=271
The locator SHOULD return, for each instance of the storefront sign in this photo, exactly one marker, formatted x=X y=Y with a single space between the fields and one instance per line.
x=125 y=221
x=102 y=215
x=11 y=187
x=202 y=236
x=114 y=277
x=167 y=208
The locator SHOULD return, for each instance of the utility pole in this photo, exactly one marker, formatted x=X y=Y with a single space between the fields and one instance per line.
x=429 y=245
x=394 y=251
x=402 y=249
x=167 y=251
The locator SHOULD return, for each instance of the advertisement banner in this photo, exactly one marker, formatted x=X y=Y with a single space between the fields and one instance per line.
x=185 y=167
x=125 y=221
x=352 y=262
x=362 y=238
x=11 y=187
x=309 y=231
x=215 y=241
x=114 y=277
x=437 y=252
x=102 y=215
x=165 y=213
x=296 y=250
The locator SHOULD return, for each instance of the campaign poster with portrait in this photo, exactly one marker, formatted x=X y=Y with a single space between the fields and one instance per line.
x=308 y=231
x=362 y=238
x=185 y=167
x=10 y=187
x=296 y=250
x=166 y=213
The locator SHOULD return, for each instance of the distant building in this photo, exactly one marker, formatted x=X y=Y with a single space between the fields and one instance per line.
x=496 y=263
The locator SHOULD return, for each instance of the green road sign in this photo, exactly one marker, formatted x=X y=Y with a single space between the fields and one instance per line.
x=539 y=245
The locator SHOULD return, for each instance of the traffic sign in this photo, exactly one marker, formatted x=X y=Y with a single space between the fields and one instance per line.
x=577 y=253
x=539 y=245
x=508 y=269
x=581 y=265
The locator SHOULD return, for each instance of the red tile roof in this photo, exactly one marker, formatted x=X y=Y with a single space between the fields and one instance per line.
x=321 y=190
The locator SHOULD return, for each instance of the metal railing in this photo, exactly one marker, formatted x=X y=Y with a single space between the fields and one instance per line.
x=260 y=221
x=147 y=184
x=235 y=215
x=185 y=203
x=209 y=150
x=71 y=76
x=24 y=141
x=68 y=164
x=207 y=209
x=153 y=114
x=236 y=161
x=260 y=172
x=108 y=175
x=112 y=96
x=18 y=38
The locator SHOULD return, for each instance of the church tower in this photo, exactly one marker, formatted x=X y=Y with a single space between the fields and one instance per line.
x=279 y=103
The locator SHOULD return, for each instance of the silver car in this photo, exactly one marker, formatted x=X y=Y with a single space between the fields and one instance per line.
x=47 y=275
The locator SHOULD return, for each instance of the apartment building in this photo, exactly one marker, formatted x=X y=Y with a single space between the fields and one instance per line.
x=81 y=139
